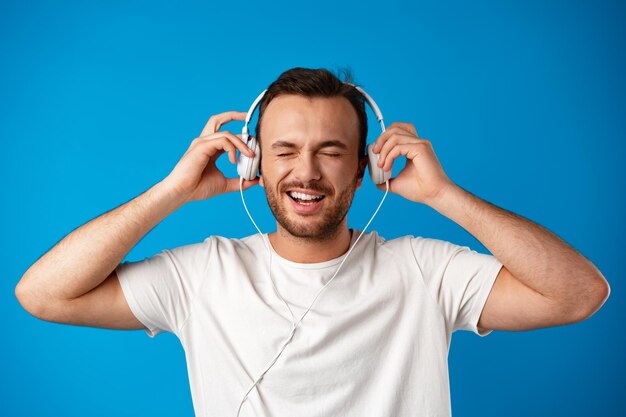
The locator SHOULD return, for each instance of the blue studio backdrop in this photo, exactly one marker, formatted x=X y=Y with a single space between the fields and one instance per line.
x=524 y=103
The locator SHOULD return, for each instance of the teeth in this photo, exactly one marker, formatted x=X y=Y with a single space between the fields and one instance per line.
x=302 y=196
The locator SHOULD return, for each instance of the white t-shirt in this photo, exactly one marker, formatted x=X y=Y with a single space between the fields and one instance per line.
x=375 y=343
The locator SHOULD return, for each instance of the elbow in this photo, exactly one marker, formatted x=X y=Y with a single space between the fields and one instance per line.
x=603 y=293
x=22 y=297
x=27 y=300
x=594 y=299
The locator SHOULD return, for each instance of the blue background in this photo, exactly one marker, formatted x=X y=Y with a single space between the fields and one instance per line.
x=523 y=101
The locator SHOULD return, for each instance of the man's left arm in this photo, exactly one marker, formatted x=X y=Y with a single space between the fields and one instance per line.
x=543 y=282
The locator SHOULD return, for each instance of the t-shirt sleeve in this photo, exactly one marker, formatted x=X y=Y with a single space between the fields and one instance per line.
x=160 y=289
x=458 y=278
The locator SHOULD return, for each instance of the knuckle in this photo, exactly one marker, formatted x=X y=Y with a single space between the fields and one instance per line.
x=232 y=138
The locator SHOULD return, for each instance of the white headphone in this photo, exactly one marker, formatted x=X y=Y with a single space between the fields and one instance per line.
x=248 y=167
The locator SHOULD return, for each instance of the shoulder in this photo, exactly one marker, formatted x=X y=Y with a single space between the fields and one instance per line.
x=212 y=254
x=230 y=247
x=212 y=246
x=419 y=247
x=400 y=242
x=392 y=247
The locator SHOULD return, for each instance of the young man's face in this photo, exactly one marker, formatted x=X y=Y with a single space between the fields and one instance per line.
x=310 y=165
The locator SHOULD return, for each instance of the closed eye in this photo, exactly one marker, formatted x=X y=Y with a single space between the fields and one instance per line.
x=329 y=154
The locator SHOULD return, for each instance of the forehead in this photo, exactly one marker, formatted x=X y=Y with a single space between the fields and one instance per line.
x=309 y=120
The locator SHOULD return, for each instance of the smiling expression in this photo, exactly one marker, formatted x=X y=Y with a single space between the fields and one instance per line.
x=310 y=166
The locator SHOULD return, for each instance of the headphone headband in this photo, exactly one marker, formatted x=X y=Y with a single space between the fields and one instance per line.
x=248 y=167
x=370 y=101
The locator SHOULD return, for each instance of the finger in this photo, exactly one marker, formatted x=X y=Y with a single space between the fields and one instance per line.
x=383 y=186
x=397 y=139
x=216 y=121
x=235 y=139
x=215 y=148
x=410 y=150
x=232 y=152
x=232 y=155
x=409 y=127
x=249 y=183
x=380 y=140
x=232 y=184
x=390 y=131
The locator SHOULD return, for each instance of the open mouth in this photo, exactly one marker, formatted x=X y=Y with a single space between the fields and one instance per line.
x=305 y=199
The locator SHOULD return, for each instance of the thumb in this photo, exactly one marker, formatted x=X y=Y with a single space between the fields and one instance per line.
x=249 y=183
x=383 y=186
x=232 y=184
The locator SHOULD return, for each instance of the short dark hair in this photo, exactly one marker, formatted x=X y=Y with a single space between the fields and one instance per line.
x=308 y=82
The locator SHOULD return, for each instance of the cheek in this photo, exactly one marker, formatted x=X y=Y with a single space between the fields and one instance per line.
x=273 y=172
x=345 y=174
x=282 y=169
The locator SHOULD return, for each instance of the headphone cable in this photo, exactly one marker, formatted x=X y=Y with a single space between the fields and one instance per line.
x=295 y=325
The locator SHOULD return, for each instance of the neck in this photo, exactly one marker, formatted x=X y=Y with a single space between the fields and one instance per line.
x=306 y=250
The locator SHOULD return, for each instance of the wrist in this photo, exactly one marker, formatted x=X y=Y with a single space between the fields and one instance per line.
x=171 y=194
x=444 y=198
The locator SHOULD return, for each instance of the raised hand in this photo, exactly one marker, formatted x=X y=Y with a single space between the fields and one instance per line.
x=195 y=176
x=423 y=178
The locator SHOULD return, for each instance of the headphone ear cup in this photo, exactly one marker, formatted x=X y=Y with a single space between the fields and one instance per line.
x=377 y=174
x=248 y=167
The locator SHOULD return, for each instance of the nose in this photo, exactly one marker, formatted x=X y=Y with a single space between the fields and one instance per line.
x=307 y=168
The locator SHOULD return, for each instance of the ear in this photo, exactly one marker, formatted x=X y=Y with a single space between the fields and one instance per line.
x=361 y=170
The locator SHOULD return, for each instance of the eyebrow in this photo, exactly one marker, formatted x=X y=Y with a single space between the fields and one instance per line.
x=325 y=144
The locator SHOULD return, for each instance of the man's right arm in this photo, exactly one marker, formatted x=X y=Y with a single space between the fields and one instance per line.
x=75 y=282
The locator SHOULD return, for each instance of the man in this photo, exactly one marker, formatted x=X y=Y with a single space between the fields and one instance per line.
x=376 y=341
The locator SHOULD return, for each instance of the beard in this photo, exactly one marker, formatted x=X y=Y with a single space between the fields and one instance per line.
x=311 y=227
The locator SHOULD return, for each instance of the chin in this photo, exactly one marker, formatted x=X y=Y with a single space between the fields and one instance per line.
x=320 y=221
x=310 y=227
